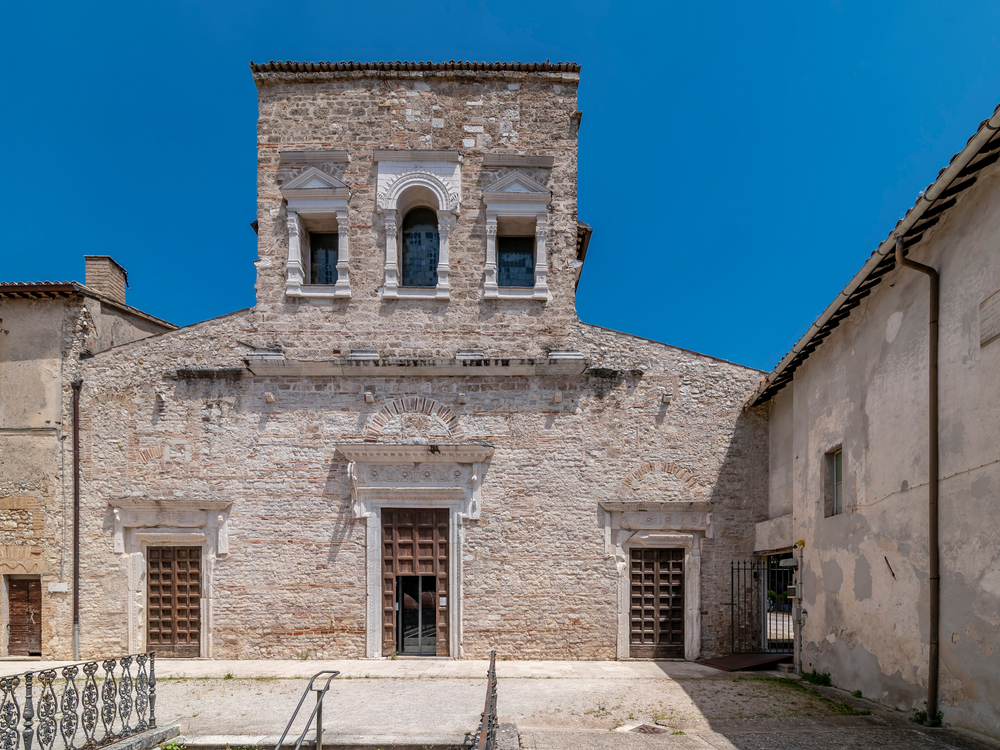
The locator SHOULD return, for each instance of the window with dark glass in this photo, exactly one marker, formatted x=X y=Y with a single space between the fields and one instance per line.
x=833 y=491
x=323 y=257
x=420 y=248
x=516 y=261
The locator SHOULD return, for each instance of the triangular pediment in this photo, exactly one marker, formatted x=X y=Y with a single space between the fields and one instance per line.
x=313 y=178
x=518 y=182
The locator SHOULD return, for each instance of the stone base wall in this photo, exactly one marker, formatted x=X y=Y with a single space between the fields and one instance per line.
x=538 y=581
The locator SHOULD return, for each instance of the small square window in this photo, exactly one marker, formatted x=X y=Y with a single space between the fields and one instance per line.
x=323 y=247
x=833 y=491
x=516 y=261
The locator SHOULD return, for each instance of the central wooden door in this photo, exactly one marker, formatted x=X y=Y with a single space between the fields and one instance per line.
x=414 y=574
x=657 y=616
x=24 y=597
x=173 y=622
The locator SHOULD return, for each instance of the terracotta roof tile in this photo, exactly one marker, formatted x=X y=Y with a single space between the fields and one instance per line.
x=343 y=67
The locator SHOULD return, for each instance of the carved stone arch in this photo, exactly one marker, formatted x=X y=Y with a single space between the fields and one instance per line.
x=692 y=483
x=388 y=200
x=413 y=405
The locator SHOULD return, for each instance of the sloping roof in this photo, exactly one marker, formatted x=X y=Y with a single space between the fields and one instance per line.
x=981 y=150
x=56 y=289
x=343 y=67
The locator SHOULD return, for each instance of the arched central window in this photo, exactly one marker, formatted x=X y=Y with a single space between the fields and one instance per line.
x=421 y=244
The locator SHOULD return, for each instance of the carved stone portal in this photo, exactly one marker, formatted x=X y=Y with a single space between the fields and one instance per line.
x=415 y=476
x=140 y=524
x=659 y=524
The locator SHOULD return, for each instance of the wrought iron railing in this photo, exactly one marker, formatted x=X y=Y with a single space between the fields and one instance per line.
x=80 y=706
x=486 y=735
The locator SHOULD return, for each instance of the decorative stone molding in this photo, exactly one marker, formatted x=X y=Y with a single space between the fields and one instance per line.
x=140 y=524
x=516 y=195
x=407 y=179
x=394 y=185
x=22 y=559
x=413 y=405
x=317 y=197
x=415 y=476
x=693 y=485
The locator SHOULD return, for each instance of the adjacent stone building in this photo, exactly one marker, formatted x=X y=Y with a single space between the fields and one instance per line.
x=411 y=444
x=47 y=329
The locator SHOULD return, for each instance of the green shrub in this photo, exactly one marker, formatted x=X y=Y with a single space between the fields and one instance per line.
x=856 y=693
x=920 y=717
x=817 y=678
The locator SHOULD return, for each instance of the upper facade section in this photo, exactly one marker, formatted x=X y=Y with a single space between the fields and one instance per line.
x=417 y=194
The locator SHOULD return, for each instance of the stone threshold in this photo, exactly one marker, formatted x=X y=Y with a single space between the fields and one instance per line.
x=145 y=740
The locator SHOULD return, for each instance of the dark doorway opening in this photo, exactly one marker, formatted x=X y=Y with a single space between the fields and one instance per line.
x=417 y=629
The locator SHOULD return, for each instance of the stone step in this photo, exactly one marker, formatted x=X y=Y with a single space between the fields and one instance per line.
x=330 y=740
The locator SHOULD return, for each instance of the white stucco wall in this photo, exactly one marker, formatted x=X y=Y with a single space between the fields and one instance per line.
x=865 y=387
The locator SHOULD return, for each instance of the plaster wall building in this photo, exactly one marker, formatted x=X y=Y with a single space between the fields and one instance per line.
x=45 y=329
x=411 y=444
x=849 y=406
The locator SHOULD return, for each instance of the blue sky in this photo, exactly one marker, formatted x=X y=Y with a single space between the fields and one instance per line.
x=738 y=161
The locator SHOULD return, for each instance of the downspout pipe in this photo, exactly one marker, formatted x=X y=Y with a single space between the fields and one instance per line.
x=77 y=384
x=934 y=566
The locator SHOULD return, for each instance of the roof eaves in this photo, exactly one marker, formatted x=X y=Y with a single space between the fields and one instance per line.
x=54 y=289
x=959 y=168
x=288 y=66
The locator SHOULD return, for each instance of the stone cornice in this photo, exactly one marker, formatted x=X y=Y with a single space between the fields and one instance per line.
x=518 y=160
x=169 y=504
x=389 y=454
x=310 y=157
x=422 y=368
x=657 y=506
x=415 y=155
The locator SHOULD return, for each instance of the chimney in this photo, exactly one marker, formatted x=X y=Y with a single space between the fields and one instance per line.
x=106 y=277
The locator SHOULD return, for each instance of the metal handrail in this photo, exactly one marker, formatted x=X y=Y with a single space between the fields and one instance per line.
x=317 y=710
x=487 y=734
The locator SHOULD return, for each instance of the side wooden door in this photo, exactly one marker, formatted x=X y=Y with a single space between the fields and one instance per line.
x=414 y=543
x=173 y=621
x=24 y=598
x=657 y=616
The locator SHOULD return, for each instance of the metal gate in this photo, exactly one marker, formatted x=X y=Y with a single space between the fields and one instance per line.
x=761 y=609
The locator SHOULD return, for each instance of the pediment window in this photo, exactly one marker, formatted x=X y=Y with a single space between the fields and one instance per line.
x=516 y=225
x=317 y=263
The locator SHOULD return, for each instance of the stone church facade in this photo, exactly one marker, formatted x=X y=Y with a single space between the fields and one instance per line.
x=411 y=444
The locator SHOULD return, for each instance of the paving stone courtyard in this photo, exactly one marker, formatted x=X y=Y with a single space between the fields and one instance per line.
x=555 y=705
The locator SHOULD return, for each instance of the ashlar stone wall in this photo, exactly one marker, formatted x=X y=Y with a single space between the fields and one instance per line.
x=180 y=420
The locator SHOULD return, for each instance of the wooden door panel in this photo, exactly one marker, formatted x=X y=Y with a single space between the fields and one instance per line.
x=24 y=599
x=414 y=542
x=173 y=620
x=657 y=603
